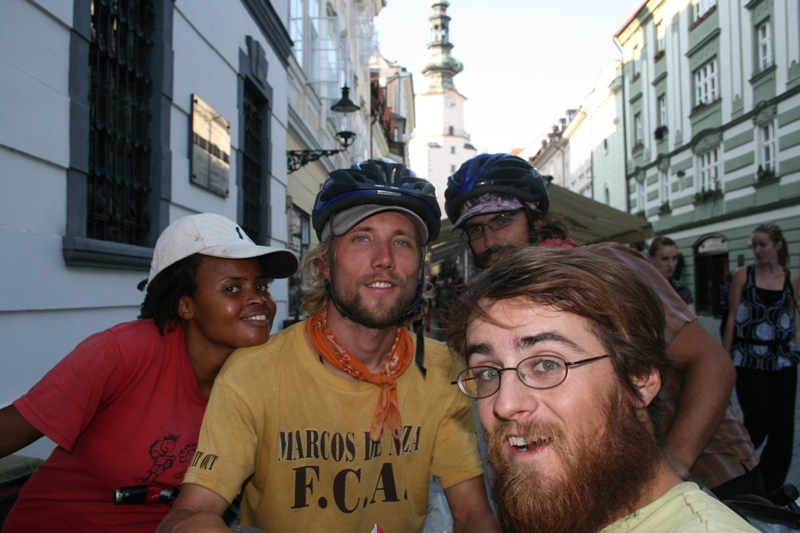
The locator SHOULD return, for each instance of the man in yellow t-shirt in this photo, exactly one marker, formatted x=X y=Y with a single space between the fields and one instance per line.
x=565 y=357
x=338 y=423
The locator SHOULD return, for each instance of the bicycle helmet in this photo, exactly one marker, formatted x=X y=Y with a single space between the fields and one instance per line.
x=378 y=182
x=495 y=173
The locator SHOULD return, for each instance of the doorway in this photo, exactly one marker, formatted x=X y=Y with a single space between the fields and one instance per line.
x=710 y=267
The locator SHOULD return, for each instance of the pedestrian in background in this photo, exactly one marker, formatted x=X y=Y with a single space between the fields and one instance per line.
x=663 y=253
x=760 y=337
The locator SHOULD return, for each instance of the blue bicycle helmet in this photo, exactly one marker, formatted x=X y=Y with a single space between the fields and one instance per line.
x=379 y=182
x=495 y=173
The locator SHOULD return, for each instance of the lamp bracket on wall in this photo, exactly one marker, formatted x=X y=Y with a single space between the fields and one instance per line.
x=296 y=159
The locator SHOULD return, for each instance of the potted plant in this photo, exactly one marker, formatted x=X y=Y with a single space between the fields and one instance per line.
x=763 y=174
x=664 y=208
x=660 y=132
x=705 y=194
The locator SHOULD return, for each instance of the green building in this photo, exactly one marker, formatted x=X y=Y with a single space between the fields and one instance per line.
x=712 y=128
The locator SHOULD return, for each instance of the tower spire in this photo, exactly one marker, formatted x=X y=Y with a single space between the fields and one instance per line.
x=441 y=66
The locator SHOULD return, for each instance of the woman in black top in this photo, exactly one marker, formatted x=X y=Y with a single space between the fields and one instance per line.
x=760 y=337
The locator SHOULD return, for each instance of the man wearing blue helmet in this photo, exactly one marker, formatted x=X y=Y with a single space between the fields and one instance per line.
x=500 y=203
x=338 y=423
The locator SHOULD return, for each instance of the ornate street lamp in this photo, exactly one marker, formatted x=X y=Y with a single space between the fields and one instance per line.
x=300 y=158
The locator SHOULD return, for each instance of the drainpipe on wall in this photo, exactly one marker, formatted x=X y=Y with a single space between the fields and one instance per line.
x=624 y=122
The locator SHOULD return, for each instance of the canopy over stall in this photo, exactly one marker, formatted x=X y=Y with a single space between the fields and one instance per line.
x=589 y=222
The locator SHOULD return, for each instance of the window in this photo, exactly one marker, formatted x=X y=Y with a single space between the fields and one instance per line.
x=118 y=183
x=764 y=36
x=452 y=149
x=640 y=196
x=299 y=239
x=766 y=139
x=663 y=183
x=452 y=168
x=296 y=29
x=662 y=110
x=701 y=7
x=635 y=54
x=253 y=171
x=637 y=129
x=705 y=83
x=254 y=165
x=113 y=213
x=661 y=32
x=325 y=54
x=708 y=170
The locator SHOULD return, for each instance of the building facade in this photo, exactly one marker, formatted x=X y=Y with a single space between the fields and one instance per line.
x=712 y=122
x=117 y=118
x=583 y=152
x=332 y=45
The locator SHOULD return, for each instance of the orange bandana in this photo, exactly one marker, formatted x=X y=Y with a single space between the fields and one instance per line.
x=325 y=344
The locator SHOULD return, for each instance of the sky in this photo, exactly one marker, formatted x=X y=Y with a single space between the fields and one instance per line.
x=525 y=61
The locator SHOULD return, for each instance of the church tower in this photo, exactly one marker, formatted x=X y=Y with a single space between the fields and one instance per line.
x=440 y=143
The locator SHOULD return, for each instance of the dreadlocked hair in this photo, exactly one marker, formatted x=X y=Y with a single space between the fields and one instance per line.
x=166 y=290
x=554 y=227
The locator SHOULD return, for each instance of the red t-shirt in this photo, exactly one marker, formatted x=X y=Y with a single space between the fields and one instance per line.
x=124 y=409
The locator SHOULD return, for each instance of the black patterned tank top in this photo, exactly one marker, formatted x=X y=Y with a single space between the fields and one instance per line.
x=764 y=330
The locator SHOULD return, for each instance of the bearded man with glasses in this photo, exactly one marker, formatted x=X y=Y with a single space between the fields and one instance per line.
x=565 y=356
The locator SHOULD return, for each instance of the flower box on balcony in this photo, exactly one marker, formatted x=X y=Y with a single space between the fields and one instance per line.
x=705 y=195
x=638 y=145
x=664 y=208
x=765 y=175
x=660 y=133
x=658 y=55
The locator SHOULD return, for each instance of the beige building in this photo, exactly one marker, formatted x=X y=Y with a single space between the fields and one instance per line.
x=334 y=57
x=584 y=151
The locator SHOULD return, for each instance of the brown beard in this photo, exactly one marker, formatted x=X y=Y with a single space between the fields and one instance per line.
x=351 y=302
x=603 y=481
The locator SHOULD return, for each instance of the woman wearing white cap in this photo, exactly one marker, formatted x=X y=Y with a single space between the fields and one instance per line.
x=125 y=407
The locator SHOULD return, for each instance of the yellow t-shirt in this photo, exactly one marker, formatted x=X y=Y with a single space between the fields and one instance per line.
x=294 y=437
x=685 y=509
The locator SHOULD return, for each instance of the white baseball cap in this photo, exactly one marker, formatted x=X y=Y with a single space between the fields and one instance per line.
x=216 y=236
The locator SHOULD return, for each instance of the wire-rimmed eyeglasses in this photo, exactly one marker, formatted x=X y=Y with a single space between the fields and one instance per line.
x=476 y=231
x=537 y=372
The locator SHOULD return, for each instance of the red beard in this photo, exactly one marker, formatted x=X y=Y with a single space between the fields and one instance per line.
x=603 y=480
